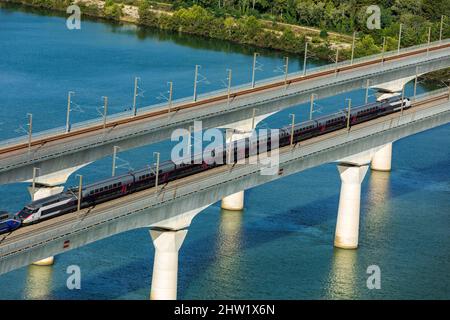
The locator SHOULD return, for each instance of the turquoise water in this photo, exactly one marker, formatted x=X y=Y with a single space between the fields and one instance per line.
x=280 y=246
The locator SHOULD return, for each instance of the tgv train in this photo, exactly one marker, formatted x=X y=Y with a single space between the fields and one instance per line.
x=8 y=222
x=122 y=185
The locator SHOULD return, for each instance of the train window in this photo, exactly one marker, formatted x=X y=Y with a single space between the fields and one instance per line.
x=92 y=192
x=45 y=212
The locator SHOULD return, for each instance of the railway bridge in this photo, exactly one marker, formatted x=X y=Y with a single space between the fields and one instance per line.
x=168 y=211
x=59 y=152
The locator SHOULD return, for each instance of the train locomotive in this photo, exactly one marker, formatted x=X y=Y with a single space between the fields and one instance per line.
x=134 y=181
x=8 y=222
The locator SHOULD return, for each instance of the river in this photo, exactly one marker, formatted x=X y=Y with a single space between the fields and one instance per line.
x=281 y=245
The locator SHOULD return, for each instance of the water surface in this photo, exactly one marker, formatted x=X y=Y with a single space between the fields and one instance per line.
x=281 y=245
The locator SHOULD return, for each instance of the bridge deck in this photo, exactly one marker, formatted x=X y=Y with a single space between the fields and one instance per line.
x=84 y=145
x=39 y=235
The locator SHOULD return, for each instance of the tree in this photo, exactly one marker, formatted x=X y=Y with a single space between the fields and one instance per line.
x=229 y=24
x=407 y=6
x=323 y=33
x=366 y=47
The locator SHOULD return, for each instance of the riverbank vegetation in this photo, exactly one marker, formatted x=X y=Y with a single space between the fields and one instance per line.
x=273 y=24
x=285 y=25
x=108 y=9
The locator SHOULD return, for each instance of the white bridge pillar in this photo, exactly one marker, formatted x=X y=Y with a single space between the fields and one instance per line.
x=391 y=88
x=168 y=236
x=347 y=226
x=40 y=193
x=235 y=201
x=165 y=266
x=244 y=129
x=382 y=159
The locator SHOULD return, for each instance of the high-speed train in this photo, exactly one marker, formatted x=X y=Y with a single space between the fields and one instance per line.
x=8 y=222
x=122 y=185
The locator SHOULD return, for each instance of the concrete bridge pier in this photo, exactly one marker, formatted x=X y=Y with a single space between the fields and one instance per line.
x=235 y=201
x=41 y=192
x=168 y=236
x=347 y=226
x=391 y=88
x=240 y=130
x=382 y=159
x=165 y=267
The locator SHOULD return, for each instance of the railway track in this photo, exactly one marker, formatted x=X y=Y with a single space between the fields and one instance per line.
x=219 y=98
x=171 y=187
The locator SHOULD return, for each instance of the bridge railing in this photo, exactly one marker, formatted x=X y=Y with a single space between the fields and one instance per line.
x=184 y=100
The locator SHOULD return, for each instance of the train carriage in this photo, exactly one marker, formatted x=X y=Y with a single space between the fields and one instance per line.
x=107 y=189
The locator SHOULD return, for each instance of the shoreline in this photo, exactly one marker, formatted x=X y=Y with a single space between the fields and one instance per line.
x=273 y=35
x=122 y=13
